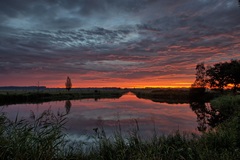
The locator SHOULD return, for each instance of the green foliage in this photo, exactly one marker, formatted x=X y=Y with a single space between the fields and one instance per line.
x=227 y=105
x=175 y=146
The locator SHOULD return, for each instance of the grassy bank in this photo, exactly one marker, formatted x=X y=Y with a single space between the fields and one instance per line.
x=175 y=95
x=42 y=138
x=16 y=97
x=164 y=95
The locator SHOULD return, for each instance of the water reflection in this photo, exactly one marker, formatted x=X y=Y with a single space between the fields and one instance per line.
x=122 y=114
x=203 y=115
x=89 y=117
x=207 y=117
x=68 y=106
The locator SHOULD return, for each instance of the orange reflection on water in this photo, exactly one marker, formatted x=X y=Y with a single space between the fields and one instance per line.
x=126 y=112
x=166 y=117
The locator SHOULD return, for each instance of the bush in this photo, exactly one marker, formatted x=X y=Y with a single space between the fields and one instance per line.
x=227 y=105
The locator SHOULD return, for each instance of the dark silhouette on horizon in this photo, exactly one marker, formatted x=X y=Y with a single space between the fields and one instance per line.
x=68 y=84
x=219 y=76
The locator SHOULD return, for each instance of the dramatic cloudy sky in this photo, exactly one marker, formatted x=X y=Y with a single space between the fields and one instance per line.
x=122 y=43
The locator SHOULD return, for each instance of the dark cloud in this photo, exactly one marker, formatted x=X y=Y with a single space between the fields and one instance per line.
x=134 y=38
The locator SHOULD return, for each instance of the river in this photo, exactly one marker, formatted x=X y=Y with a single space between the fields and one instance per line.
x=125 y=115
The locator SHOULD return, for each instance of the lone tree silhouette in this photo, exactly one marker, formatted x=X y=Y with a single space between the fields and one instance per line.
x=68 y=84
x=200 y=76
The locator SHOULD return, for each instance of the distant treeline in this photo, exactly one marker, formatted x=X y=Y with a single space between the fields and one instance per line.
x=22 y=87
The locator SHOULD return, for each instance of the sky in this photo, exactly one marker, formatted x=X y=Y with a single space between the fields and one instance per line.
x=114 y=43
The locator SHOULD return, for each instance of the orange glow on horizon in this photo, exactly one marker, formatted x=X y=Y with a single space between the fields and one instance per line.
x=58 y=81
x=123 y=85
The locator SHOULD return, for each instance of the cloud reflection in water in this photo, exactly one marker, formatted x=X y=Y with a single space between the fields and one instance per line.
x=85 y=115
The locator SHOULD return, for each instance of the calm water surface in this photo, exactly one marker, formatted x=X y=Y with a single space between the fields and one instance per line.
x=128 y=112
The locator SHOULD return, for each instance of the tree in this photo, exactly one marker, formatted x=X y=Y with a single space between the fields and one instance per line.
x=200 y=76
x=68 y=84
x=218 y=76
x=224 y=74
x=234 y=74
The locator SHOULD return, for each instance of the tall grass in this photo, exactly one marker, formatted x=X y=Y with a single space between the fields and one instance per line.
x=37 y=138
x=176 y=146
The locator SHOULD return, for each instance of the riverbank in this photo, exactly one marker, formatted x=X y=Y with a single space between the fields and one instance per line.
x=175 y=95
x=162 y=95
x=8 y=97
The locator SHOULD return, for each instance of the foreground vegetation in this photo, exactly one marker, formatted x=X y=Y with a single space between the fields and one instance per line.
x=42 y=137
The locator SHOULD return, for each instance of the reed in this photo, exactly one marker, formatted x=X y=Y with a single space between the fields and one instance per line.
x=35 y=138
